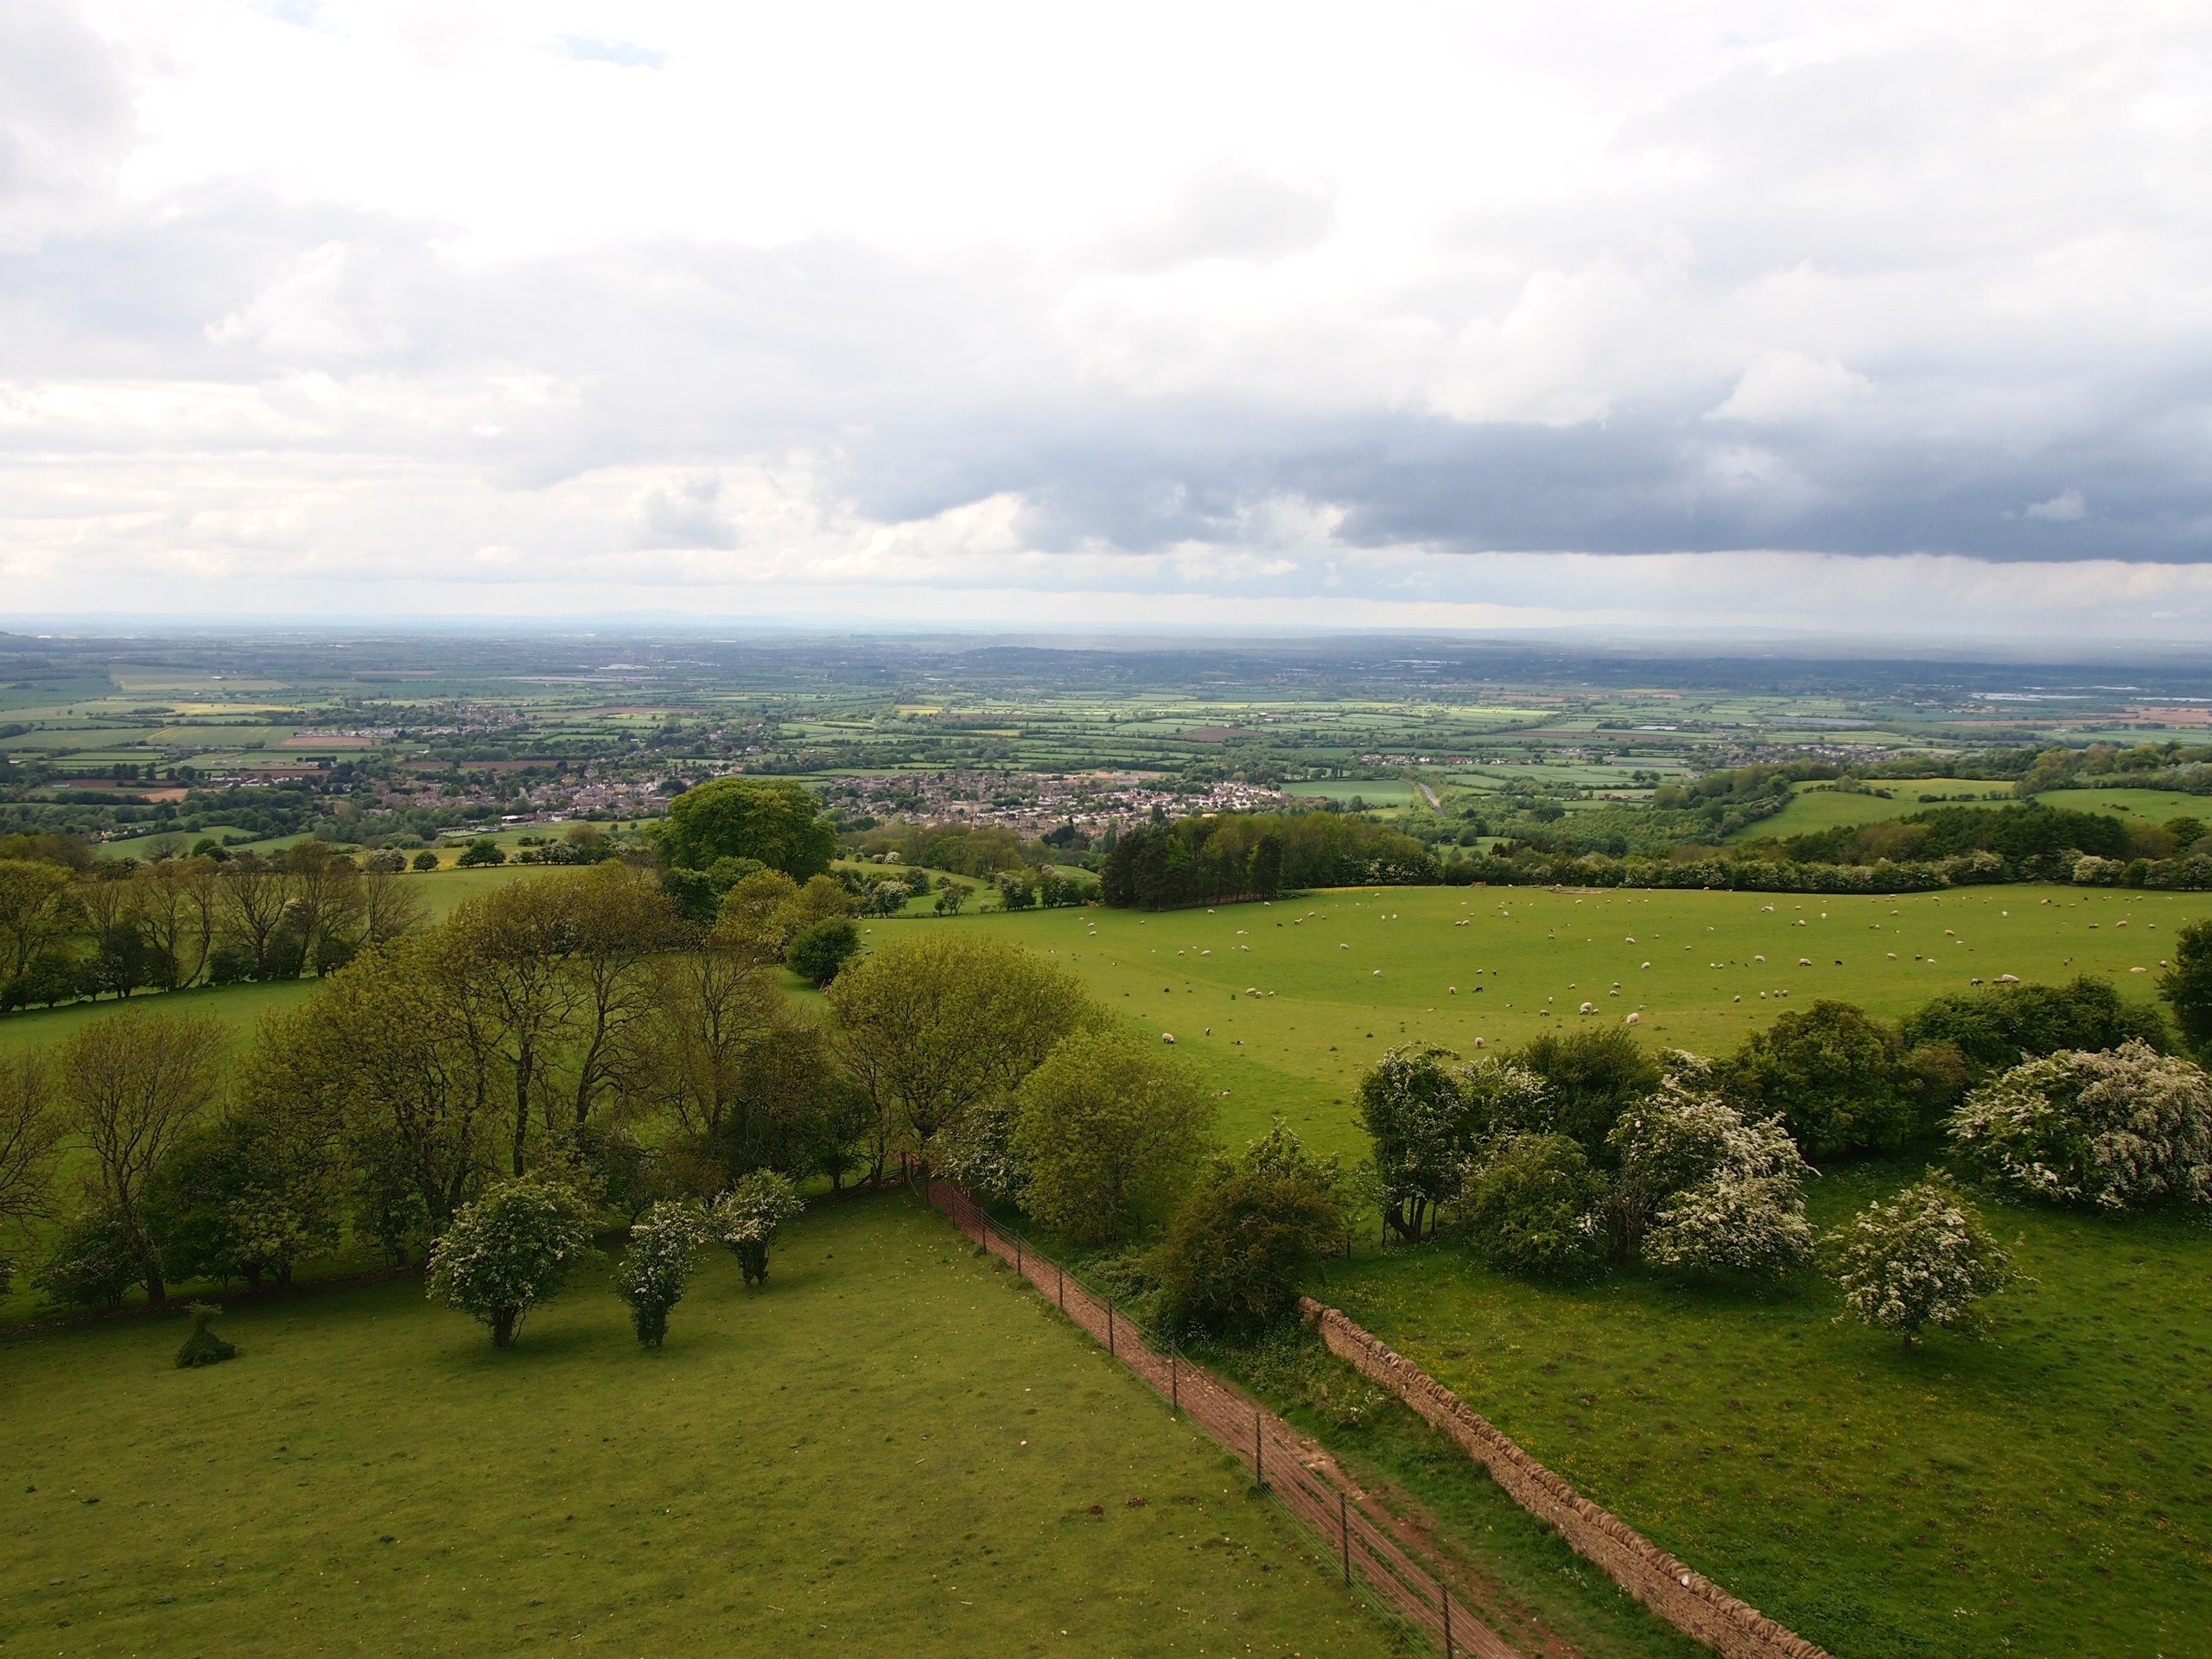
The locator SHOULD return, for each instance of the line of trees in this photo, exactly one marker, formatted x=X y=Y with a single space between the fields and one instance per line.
x=576 y=1027
x=120 y=927
x=1225 y=856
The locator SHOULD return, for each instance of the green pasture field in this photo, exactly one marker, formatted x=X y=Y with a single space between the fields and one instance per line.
x=2152 y=805
x=884 y=1453
x=236 y=1006
x=141 y=847
x=1816 y=806
x=1527 y=958
x=2047 y=1490
x=1375 y=792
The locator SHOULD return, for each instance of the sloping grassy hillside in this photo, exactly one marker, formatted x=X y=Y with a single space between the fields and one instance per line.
x=883 y=1453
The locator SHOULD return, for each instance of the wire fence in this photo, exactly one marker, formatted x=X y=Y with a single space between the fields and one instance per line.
x=1368 y=1556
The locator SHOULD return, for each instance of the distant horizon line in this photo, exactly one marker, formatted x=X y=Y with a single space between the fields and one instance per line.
x=1596 y=638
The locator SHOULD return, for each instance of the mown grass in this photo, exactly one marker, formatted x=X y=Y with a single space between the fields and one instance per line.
x=2044 y=1491
x=883 y=1453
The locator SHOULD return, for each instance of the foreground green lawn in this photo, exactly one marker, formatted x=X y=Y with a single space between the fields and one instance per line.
x=2046 y=1491
x=886 y=1452
x=1537 y=955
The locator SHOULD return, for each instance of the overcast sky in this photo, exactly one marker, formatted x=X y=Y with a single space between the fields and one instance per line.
x=1866 y=317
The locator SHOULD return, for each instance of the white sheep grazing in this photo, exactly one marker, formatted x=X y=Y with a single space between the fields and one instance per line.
x=1589 y=1008
x=1168 y=1037
x=1635 y=1020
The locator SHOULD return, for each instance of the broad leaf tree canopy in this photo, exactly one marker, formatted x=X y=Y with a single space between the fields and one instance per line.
x=776 y=822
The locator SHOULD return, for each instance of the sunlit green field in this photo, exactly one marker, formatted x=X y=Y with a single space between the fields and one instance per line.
x=1817 y=807
x=2151 y=805
x=2046 y=1491
x=1345 y=973
x=885 y=1452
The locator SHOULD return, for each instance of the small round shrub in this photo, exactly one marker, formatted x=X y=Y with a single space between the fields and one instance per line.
x=1924 y=1258
x=656 y=1267
x=510 y=1250
x=1239 y=1248
x=1534 y=1207
x=203 y=1346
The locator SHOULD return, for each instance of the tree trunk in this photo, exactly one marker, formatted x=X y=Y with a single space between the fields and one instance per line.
x=504 y=1320
x=522 y=1105
x=156 y=1290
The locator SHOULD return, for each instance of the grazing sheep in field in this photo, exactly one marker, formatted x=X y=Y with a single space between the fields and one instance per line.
x=1168 y=1037
x=1634 y=1019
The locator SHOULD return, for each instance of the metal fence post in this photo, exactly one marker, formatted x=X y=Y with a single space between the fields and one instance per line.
x=1174 y=1385
x=1344 y=1525
x=1109 y=1325
x=1063 y=1274
x=1446 y=1596
x=1259 y=1460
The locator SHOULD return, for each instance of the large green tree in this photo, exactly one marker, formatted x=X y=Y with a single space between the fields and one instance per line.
x=1833 y=1073
x=939 y=1021
x=1106 y=1130
x=132 y=1084
x=2186 y=986
x=777 y=821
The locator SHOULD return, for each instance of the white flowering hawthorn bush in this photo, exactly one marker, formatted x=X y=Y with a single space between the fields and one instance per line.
x=510 y=1250
x=2115 y=1130
x=1733 y=1221
x=747 y=1217
x=1702 y=1191
x=654 y=1270
x=1923 y=1259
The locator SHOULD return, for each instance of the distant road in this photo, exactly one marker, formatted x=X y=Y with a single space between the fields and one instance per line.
x=1434 y=805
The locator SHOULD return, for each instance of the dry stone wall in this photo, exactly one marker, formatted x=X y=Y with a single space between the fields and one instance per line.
x=1684 y=1598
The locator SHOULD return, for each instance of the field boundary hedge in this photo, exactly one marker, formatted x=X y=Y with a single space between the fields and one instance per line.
x=1686 y=1598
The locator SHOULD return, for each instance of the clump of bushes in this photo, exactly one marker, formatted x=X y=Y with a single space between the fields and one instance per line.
x=1244 y=1240
x=1533 y=1207
x=1700 y=1191
x=2115 y=1131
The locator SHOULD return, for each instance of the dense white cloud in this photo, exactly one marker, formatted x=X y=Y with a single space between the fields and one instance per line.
x=1891 y=317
